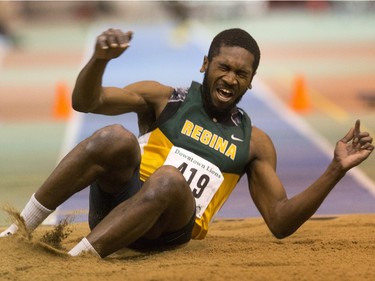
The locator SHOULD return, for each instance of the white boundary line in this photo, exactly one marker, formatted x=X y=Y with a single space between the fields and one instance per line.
x=262 y=92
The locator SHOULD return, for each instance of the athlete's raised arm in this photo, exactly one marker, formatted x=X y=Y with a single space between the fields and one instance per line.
x=90 y=96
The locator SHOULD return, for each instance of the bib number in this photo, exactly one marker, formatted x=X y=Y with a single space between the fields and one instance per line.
x=203 y=177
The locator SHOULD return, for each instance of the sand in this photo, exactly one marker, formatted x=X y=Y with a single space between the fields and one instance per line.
x=324 y=248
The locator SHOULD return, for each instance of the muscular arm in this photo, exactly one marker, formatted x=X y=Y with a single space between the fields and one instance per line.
x=283 y=215
x=90 y=96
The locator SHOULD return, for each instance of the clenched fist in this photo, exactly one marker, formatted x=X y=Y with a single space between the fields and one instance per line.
x=112 y=43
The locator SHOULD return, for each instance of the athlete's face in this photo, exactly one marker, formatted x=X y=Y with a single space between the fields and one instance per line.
x=227 y=78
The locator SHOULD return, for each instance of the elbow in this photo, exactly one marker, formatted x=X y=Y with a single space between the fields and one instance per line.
x=79 y=106
x=85 y=103
x=76 y=105
x=280 y=235
x=282 y=222
x=281 y=231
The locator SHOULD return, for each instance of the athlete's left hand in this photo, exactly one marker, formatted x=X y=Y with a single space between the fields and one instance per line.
x=354 y=148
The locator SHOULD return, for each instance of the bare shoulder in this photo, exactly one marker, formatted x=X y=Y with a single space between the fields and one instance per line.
x=261 y=145
x=155 y=94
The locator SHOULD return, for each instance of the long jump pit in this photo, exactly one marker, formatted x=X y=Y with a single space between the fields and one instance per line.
x=324 y=248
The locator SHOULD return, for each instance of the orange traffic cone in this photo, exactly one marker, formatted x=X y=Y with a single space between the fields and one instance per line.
x=62 y=104
x=300 y=100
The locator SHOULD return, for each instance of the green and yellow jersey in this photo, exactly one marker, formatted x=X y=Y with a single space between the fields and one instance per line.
x=210 y=155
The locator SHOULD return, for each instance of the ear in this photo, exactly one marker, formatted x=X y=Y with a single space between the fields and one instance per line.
x=204 y=65
x=251 y=81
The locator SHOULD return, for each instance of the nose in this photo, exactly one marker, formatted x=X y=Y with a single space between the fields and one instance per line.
x=230 y=78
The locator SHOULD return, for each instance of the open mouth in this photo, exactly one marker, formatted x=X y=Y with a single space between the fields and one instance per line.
x=224 y=94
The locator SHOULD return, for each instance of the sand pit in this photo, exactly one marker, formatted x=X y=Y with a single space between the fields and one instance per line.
x=325 y=248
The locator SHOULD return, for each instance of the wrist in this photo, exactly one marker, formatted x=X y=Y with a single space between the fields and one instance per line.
x=96 y=59
x=336 y=168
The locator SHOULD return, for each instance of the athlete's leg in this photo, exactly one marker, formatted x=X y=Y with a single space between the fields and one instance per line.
x=163 y=205
x=110 y=156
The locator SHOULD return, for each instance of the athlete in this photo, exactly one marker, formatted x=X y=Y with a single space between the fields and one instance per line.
x=162 y=189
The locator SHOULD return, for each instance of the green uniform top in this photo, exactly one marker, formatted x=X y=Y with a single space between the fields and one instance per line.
x=211 y=156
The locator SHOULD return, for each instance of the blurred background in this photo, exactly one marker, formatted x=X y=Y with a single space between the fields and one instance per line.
x=318 y=60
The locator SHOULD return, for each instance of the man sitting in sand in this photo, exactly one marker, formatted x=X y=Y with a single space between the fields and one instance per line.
x=164 y=188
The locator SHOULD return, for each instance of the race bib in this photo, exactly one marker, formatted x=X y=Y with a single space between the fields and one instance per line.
x=203 y=177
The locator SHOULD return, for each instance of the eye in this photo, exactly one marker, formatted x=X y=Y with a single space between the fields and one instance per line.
x=242 y=74
x=223 y=67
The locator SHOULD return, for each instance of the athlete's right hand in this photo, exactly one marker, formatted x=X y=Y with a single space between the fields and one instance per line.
x=112 y=43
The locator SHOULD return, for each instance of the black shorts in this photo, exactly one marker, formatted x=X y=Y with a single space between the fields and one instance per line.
x=101 y=203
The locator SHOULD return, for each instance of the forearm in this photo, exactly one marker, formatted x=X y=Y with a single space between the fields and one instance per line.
x=294 y=212
x=88 y=87
x=282 y=215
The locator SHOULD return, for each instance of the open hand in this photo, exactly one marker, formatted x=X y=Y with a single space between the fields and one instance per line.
x=112 y=43
x=354 y=148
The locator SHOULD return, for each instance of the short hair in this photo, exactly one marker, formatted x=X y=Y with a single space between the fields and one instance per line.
x=235 y=37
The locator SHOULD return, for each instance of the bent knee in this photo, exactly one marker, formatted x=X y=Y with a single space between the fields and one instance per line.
x=114 y=135
x=166 y=183
x=112 y=141
x=170 y=176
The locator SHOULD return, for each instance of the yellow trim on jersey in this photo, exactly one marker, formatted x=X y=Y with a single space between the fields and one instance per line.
x=201 y=224
x=155 y=148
